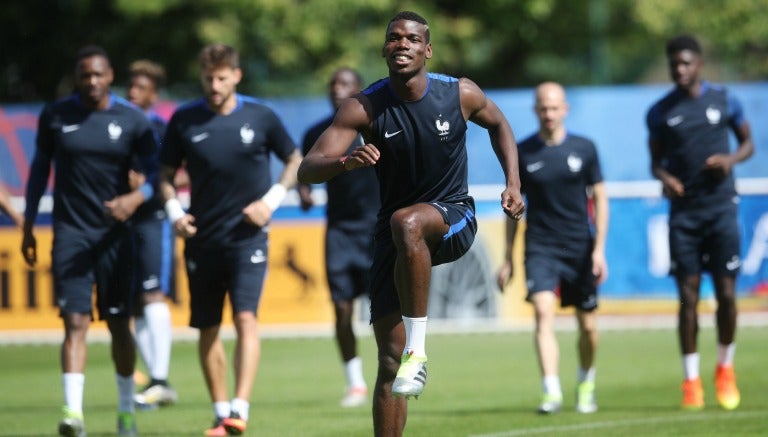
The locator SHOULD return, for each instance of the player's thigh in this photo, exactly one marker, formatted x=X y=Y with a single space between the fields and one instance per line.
x=153 y=256
x=541 y=273
x=348 y=257
x=247 y=271
x=207 y=278
x=462 y=228
x=723 y=243
x=73 y=269
x=686 y=235
x=383 y=293
x=578 y=286
x=113 y=273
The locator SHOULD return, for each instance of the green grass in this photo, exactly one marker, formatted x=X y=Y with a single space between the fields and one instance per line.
x=479 y=384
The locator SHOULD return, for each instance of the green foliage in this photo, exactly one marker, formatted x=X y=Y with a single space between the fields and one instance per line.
x=734 y=31
x=479 y=384
x=289 y=47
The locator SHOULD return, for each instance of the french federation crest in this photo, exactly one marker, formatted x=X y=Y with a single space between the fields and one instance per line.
x=114 y=130
x=443 y=127
x=713 y=115
x=574 y=163
x=246 y=134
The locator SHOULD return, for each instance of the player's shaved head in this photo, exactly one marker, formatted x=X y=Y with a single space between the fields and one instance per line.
x=552 y=91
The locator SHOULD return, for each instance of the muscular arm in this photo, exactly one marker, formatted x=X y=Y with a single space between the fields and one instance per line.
x=38 y=178
x=723 y=164
x=506 y=270
x=479 y=109
x=599 y=264
x=288 y=176
x=183 y=224
x=671 y=185
x=259 y=212
x=323 y=161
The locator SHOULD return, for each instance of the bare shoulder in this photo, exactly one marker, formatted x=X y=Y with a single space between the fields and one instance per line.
x=473 y=98
x=354 y=112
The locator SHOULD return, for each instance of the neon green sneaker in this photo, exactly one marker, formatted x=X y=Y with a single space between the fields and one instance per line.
x=411 y=377
x=551 y=403
x=585 y=398
x=126 y=424
x=72 y=425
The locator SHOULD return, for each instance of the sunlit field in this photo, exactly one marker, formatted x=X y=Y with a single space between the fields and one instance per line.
x=480 y=384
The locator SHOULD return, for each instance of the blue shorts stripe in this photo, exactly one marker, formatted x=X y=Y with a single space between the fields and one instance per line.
x=166 y=266
x=457 y=227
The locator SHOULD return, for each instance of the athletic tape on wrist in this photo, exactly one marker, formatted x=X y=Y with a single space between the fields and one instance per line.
x=275 y=196
x=174 y=210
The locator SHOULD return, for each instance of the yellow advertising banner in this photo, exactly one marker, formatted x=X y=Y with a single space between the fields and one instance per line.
x=295 y=291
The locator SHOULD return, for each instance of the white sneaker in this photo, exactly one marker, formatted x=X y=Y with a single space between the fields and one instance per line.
x=355 y=397
x=551 y=403
x=411 y=377
x=154 y=395
x=72 y=424
x=585 y=398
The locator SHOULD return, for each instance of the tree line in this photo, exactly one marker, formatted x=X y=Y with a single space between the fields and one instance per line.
x=290 y=47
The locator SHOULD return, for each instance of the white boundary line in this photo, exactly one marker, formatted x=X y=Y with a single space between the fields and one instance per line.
x=618 y=423
x=649 y=189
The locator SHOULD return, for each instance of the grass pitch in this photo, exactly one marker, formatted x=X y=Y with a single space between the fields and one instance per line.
x=479 y=385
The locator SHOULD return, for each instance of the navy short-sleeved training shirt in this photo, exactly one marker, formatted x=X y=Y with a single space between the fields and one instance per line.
x=554 y=180
x=689 y=130
x=228 y=161
x=92 y=152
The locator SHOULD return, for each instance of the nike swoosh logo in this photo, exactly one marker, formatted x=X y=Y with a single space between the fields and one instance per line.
x=199 y=137
x=390 y=135
x=67 y=128
x=534 y=167
x=674 y=121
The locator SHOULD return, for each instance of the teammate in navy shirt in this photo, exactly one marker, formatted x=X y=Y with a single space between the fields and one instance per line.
x=153 y=243
x=414 y=125
x=93 y=138
x=691 y=155
x=353 y=201
x=564 y=248
x=226 y=140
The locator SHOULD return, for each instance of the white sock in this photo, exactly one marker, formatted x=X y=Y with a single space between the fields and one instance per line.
x=587 y=375
x=691 y=365
x=73 y=384
x=158 y=318
x=143 y=341
x=353 y=369
x=125 y=389
x=725 y=354
x=415 y=335
x=551 y=385
x=221 y=409
x=240 y=407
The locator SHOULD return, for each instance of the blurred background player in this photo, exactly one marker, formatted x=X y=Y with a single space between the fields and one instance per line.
x=691 y=155
x=153 y=241
x=353 y=201
x=564 y=253
x=92 y=202
x=226 y=140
